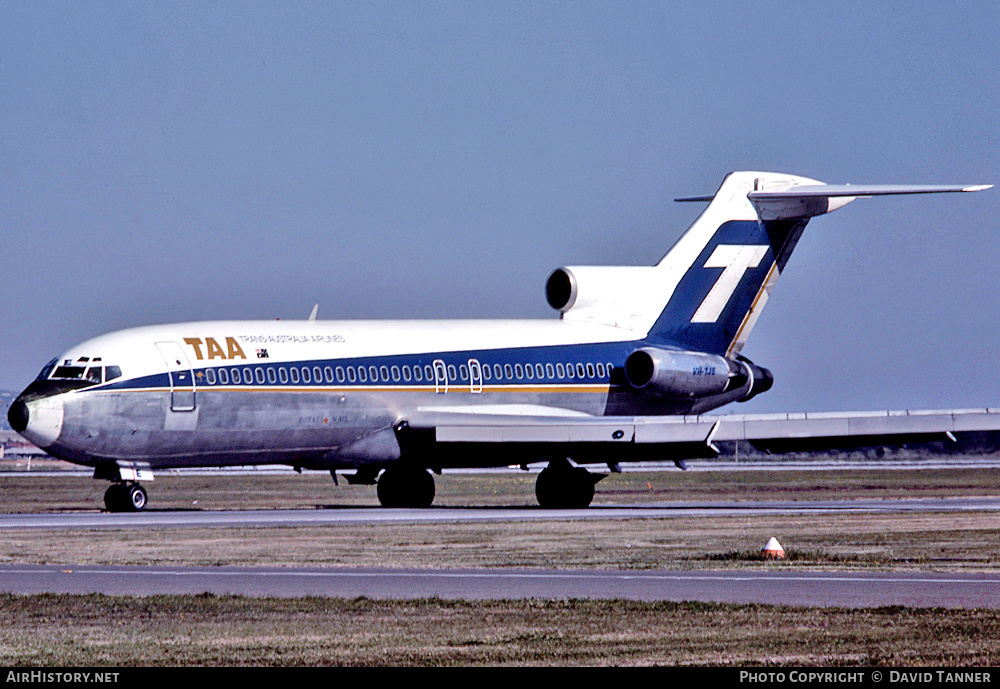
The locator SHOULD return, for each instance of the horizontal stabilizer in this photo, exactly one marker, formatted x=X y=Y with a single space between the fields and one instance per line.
x=808 y=200
x=777 y=199
x=861 y=190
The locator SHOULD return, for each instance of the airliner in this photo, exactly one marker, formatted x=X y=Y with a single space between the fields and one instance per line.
x=627 y=373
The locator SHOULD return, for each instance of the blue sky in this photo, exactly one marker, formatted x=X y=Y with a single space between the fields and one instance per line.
x=173 y=161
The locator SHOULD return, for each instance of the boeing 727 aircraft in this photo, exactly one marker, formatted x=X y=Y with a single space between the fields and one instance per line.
x=627 y=373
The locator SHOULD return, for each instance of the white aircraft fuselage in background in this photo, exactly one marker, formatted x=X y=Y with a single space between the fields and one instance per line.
x=637 y=355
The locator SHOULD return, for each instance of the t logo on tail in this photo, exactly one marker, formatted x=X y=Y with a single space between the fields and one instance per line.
x=736 y=259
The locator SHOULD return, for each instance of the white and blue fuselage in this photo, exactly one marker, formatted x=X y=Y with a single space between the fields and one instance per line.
x=304 y=392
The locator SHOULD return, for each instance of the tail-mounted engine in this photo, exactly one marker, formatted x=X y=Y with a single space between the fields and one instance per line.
x=694 y=374
x=621 y=296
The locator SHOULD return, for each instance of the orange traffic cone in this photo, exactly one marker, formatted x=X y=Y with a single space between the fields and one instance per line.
x=773 y=550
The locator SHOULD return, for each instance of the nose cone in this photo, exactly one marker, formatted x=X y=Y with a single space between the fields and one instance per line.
x=18 y=415
x=39 y=420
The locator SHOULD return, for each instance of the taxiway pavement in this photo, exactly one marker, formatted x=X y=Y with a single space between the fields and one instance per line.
x=811 y=589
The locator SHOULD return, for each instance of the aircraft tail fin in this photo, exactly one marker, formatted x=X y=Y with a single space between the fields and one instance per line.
x=707 y=292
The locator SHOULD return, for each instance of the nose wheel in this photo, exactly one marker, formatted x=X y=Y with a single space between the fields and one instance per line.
x=125 y=497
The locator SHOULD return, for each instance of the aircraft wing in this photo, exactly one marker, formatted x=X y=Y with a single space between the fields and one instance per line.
x=541 y=433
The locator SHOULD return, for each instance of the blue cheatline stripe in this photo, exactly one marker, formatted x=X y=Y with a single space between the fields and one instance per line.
x=555 y=367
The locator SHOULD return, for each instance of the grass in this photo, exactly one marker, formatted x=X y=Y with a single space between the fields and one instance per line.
x=102 y=631
x=943 y=542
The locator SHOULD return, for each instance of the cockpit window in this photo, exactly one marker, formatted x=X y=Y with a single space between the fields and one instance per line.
x=69 y=372
x=95 y=373
x=46 y=370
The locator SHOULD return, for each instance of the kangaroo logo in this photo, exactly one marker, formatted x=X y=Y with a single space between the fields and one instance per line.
x=735 y=260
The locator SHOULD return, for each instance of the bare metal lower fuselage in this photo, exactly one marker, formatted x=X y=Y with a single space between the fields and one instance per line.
x=303 y=429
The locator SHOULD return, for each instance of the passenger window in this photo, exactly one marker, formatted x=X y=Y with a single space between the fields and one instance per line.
x=539 y=371
x=519 y=371
x=550 y=371
x=282 y=375
x=497 y=372
x=428 y=372
x=406 y=374
x=418 y=373
x=362 y=375
x=529 y=371
x=328 y=374
x=487 y=375
x=295 y=374
x=569 y=371
x=306 y=378
x=272 y=377
x=590 y=370
x=351 y=377
x=373 y=374
x=600 y=370
x=384 y=372
x=209 y=375
x=560 y=370
x=317 y=374
x=463 y=372
x=259 y=375
x=340 y=374
x=508 y=371
x=236 y=376
x=224 y=376
x=395 y=374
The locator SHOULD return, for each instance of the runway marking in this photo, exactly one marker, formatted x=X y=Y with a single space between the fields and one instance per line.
x=757 y=576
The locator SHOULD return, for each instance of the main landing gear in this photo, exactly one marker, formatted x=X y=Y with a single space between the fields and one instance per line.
x=561 y=485
x=125 y=497
x=405 y=485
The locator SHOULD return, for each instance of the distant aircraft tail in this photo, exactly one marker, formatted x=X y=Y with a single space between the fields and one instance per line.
x=707 y=292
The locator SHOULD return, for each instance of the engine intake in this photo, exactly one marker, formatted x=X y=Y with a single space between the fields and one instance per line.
x=561 y=290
